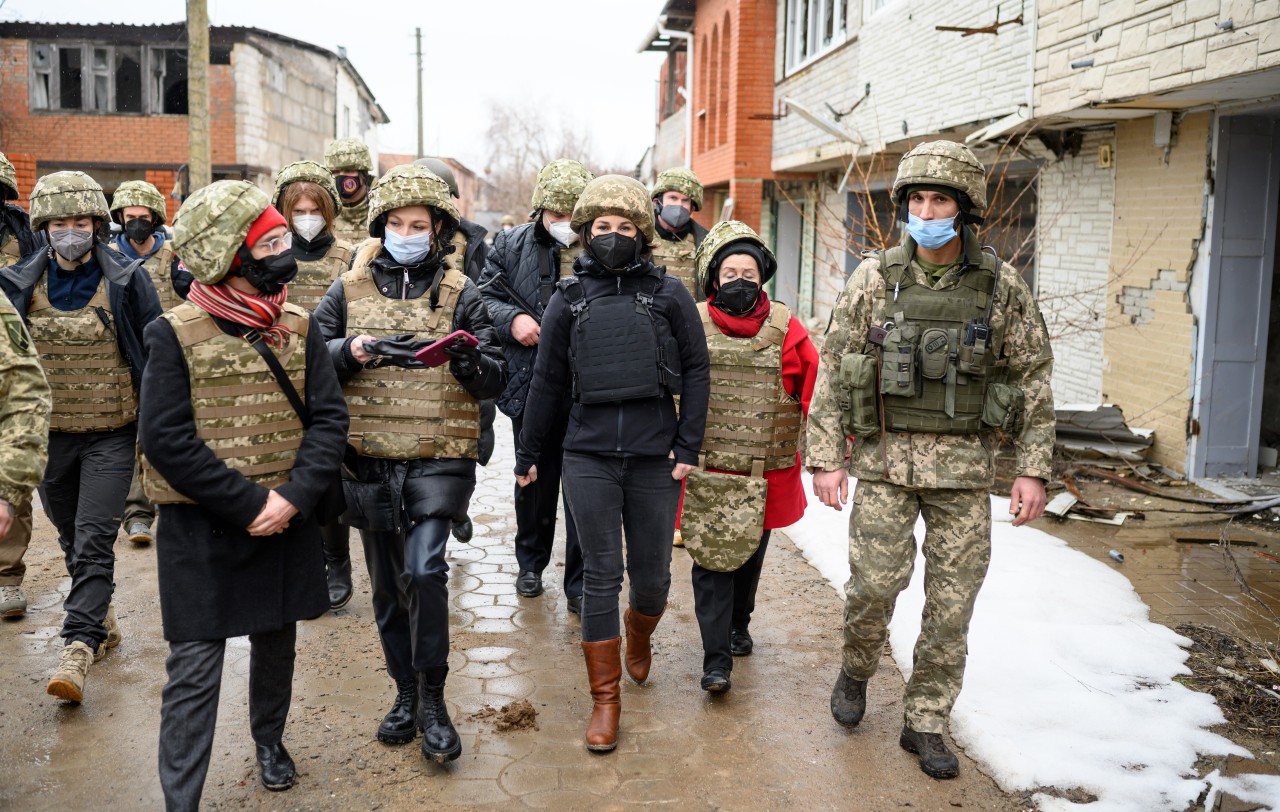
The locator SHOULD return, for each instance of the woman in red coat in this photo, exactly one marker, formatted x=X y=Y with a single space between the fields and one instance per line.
x=763 y=368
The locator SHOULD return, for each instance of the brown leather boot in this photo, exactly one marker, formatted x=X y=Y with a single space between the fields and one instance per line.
x=639 y=630
x=604 y=672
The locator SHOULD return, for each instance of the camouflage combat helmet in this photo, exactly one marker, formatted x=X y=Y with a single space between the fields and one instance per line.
x=66 y=194
x=348 y=154
x=138 y=193
x=679 y=179
x=308 y=171
x=442 y=171
x=720 y=236
x=212 y=225
x=618 y=195
x=944 y=163
x=408 y=185
x=559 y=185
x=8 y=179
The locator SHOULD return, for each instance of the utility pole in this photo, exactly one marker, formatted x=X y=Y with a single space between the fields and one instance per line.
x=418 y=35
x=199 y=169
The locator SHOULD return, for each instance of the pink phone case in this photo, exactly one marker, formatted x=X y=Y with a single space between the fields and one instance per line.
x=433 y=355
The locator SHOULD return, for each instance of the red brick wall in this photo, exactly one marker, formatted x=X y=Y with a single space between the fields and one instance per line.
x=54 y=138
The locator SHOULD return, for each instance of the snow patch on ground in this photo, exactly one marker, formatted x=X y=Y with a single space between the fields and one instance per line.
x=1068 y=683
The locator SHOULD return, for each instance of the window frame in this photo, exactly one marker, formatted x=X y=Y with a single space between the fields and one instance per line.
x=805 y=23
x=149 y=55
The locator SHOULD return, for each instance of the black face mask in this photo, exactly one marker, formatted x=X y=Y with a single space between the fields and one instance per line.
x=614 y=251
x=138 y=230
x=350 y=186
x=269 y=274
x=675 y=216
x=738 y=298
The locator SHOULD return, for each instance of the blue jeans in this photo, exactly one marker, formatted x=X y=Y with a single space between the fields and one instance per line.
x=609 y=497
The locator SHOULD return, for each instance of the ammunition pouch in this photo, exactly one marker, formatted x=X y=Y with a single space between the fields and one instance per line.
x=1002 y=407
x=856 y=394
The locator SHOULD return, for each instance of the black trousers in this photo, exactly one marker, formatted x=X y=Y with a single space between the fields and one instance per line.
x=84 y=489
x=536 y=505
x=410 y=578
x=189 y=706
x=724 y=601
x=610 y=496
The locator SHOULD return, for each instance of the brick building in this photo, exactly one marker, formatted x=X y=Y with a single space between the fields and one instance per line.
x=471 y=187
x=111 y=100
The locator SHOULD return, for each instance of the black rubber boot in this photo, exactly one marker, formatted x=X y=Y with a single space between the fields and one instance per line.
x=936 y=759
x=440 y=742
x=848 y=699
x=400 y=725
x=336 y=543
x=277 y=770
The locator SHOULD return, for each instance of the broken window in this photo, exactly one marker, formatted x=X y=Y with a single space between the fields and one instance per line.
x=128 y=79
x=102 y=78
x=813 y=28
x=70 y=78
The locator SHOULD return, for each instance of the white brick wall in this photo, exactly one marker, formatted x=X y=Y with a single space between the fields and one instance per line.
x=1073 y=262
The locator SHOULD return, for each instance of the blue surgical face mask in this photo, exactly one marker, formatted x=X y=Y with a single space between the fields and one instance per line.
x=407 y=250
x=931 y=233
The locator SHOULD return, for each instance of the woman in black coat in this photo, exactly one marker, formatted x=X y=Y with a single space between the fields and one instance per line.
x=236 y=473
x=415 y=430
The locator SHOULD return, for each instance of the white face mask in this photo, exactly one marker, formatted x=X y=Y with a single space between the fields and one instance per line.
x=563 y=233
x=407 y=250
x=308 y=226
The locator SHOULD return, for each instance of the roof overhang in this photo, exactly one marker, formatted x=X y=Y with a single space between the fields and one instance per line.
x=676 y=15
x=1258 y=86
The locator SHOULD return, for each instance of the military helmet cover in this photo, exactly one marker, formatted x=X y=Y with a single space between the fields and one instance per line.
x=442 y=171
x=408 y=185
x=308 y=171
x=617 y=195
x=559 y=185
x=212 y=225
x=348 y=154
x=679 y=179
x=8 y=178
x=139 y=193
x=943 y=163
x=66 y=194
x=721 y=236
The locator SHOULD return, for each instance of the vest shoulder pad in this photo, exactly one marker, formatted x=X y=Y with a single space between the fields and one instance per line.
x=709 y=327
x=296 y=319
x=340 y=250
x=191 y=324
x=357 y=283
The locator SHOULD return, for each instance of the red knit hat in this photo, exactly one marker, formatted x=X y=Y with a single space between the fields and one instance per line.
x=269 y=219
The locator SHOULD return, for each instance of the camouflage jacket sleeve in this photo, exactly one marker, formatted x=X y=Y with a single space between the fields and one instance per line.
x=1030 y=368
x=24 y=411
x=846 y=332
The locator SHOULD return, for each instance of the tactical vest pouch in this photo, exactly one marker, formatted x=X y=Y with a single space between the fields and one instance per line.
x=856 y=392
x=1002 y=407
x=723 y=518
x=935 y=354
x=898 y=361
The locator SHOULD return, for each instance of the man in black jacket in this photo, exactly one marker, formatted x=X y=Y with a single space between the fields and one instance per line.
x=85 y=310
x=518 y=281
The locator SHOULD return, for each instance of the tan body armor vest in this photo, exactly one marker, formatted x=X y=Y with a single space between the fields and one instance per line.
x=567 y=256
x=10 y=252
x=241 y=413
x=677 y=255
x=351 y=223
x=157 y=267
x=88 y=374
x=406 y=414
x=753 y=424
x=316 y=275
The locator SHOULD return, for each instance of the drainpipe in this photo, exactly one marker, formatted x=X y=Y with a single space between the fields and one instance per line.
x=688 y=85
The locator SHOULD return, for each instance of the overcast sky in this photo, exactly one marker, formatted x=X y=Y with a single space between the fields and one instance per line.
x=576 y=59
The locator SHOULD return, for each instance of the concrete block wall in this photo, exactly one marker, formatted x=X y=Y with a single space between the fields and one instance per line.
x=1146 y=46
x=1073 y=264
x=1158 y=225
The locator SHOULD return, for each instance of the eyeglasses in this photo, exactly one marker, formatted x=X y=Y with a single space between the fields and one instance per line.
x=278 y=245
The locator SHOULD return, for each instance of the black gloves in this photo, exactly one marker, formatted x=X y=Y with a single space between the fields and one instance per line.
x=397 y=350
x=466 y=360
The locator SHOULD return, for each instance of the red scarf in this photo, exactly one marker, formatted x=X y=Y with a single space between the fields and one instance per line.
x=259 y=312
x=747 y=326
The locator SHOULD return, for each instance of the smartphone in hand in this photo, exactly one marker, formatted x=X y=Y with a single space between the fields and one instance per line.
x=433 y=355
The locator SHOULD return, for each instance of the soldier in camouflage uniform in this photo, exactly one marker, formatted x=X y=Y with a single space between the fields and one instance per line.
x=24 y=446
x=933 y=346
x=85 y=309
x=763 y=368
x=352 y=167
x=16 y=243
x=677 y=193
x=239 y=457
x=524 y=265
x=415 y=430
x=138 y=207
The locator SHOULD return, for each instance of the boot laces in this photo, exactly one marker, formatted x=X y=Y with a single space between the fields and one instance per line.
x=10 y=593
x=932 y=745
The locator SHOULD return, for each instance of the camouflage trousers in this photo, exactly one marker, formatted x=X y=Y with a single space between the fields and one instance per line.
x=882 y=553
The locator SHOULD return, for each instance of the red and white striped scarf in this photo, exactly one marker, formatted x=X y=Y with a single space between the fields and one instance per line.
x=259 y=312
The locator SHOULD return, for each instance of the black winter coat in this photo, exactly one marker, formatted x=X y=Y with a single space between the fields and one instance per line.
x=477 y=248
x=394 y=495
x=640 y=427
x=525 y=255
x=134 y=302
x=217 y=581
